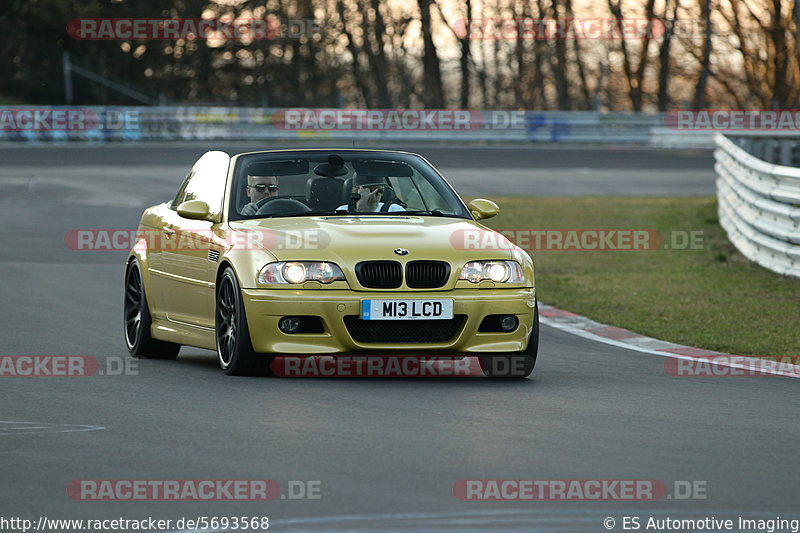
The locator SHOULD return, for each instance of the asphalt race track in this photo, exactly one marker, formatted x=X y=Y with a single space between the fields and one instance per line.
x=387 y=452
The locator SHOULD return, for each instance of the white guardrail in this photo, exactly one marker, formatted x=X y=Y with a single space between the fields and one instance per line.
x=759 y=201
x=185 y=123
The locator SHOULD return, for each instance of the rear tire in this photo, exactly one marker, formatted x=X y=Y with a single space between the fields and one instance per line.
x=137 y=320
x=235 y=351
x=516 y=364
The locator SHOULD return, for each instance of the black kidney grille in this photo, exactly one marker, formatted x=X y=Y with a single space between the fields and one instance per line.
x=403 y=331
x=379 y=274
x=427 y=274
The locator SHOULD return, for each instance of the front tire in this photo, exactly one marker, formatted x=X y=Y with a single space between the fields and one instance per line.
x=235 y=351
x=517 y=364
x=137 y=318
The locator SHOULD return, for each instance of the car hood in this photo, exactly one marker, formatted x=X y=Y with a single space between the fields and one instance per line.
x=348 y=240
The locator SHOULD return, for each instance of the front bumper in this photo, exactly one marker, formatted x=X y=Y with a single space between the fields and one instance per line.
x=265 y=307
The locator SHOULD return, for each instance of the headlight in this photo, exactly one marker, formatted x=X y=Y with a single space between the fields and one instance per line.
x=497 y=271
x=293 y=272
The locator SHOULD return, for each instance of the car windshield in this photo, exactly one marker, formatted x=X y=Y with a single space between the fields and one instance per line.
x=339 y=183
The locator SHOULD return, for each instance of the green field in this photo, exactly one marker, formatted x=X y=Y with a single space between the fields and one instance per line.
x=710 y=297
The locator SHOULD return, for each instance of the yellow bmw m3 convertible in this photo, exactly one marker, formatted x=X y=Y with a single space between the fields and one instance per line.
x=338 y=252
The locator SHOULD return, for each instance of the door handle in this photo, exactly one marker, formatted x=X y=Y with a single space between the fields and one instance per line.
x=169 y=232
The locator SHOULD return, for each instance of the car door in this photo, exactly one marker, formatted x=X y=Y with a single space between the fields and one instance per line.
x=188 y=258
x=152 y=238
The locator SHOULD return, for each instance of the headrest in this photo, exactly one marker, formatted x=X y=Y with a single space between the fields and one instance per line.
x=323 y=190
x=347 y=190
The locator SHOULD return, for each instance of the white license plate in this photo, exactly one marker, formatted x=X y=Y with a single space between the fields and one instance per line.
x=406 y=309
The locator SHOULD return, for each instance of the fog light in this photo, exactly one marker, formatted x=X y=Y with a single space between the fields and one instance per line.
x=509 y=323
x=289 y=324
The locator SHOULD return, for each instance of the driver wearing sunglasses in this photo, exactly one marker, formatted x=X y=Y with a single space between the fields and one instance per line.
x=258 y=188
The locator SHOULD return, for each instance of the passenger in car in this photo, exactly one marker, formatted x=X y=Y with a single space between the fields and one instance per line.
x=369 y=202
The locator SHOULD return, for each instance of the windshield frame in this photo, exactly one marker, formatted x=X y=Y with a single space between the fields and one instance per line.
x=422 y=167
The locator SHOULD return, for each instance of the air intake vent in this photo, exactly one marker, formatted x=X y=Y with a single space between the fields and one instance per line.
x=213 y=255
x=403 y=331
x=380 y=274
x=427 y=274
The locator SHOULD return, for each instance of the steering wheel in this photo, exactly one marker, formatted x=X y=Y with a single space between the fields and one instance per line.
x=260 y=203
x=281 y=206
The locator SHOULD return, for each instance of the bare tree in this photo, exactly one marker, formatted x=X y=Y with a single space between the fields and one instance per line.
x=376 y=54
x=483 y=75
x=699 y=101
x=374 y=32
x=579 y=61
x=634 y=72
x=559 y=66
x=664 y=54
x=796 y=12
x=359 y=78
x=518 y=81
x=432 y=78
x=405 y=88
x=777 y=31
x=464 y=60
x=540 y=53
x=767 y=73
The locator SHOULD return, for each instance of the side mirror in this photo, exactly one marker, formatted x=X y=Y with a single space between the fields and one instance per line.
x=195 y=210
x=482 y=209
